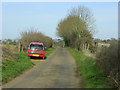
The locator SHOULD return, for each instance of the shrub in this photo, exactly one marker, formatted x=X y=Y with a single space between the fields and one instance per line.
x=34 y=36
x=108 y=62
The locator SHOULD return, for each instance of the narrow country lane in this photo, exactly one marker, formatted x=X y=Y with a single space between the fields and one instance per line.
x=58 y=71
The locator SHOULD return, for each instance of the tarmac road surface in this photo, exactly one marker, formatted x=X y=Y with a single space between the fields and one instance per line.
x=57 y=71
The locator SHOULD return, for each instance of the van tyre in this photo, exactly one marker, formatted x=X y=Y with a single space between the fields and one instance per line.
x=43 y=57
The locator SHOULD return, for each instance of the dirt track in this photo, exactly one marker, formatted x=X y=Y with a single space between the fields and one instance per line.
x=58 y=71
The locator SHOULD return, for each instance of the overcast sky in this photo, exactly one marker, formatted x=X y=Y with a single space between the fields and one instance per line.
x=20 y=16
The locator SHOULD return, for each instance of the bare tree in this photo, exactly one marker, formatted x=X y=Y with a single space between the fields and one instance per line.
x=86 y=15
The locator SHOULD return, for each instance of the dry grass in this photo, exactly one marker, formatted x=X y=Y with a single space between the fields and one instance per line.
x=8 y=52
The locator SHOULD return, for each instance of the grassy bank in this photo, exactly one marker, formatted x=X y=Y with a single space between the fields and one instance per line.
x=17 y=64
x=12 y=68
x=92 y=76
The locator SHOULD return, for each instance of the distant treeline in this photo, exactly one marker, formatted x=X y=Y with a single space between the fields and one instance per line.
x=26 y=37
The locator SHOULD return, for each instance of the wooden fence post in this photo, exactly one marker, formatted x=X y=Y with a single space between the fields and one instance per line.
x=20 y=47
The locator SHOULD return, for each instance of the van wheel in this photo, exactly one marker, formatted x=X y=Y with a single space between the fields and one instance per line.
x=31 y=57
x=44 y=57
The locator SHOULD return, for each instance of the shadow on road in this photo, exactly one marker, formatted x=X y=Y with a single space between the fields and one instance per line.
x=36 y=58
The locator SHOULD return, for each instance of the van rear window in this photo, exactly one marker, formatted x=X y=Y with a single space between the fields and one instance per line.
x=34 y=47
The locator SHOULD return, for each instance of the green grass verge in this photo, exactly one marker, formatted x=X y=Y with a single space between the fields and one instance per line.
x=92 y=76
x=47 y=52
x=0 y=76
x=12 y=68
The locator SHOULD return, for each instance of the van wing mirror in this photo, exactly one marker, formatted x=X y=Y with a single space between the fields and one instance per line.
x=45 y=48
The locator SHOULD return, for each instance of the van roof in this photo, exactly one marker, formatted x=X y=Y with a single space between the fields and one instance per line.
x=38 y=43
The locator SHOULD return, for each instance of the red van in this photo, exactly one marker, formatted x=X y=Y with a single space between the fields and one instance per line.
x=36 y=49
